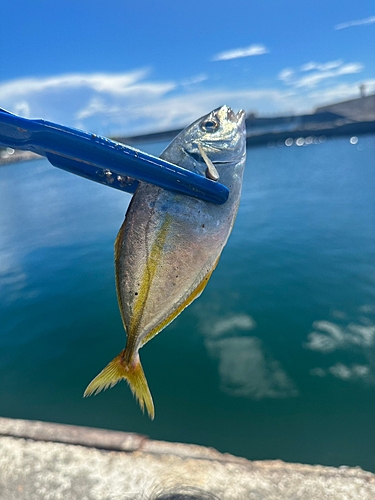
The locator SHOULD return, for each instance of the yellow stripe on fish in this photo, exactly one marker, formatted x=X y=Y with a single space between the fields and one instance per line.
x=154 y=259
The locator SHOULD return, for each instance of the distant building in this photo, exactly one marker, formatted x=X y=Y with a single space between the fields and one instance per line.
x=362 y=109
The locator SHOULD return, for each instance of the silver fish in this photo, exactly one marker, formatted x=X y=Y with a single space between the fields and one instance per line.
x=170 y=243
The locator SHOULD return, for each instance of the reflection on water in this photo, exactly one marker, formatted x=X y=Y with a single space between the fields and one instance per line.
x=244 y=368
x=344 y=334
x=229 y=325
x=274 y=360
x=245 y=371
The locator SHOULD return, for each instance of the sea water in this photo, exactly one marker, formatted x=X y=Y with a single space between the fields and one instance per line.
x=276 y=360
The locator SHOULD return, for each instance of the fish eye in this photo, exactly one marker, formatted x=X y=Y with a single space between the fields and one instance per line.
x=209 y=125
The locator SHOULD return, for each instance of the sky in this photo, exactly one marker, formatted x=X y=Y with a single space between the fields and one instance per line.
x=128 y=67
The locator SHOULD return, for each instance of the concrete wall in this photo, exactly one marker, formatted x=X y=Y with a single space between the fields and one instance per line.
x=41 y=461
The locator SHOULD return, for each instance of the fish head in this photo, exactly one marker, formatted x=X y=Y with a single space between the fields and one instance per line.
x=221 y=134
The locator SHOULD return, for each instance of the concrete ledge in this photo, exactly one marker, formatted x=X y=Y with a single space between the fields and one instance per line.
x=70 y=434
x=40 y=460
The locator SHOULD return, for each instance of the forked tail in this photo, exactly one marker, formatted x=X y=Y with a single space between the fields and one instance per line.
x=132 y=372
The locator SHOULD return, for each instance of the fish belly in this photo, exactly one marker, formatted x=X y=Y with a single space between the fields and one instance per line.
x=166 y=250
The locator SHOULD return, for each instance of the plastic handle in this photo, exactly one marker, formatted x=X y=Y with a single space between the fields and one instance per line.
x=103 y=160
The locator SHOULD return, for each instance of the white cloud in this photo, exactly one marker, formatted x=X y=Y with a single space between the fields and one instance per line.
x=327 y=339
x=314 y=79
x=228 y=325
x=115 y=83
x=22 y=108
x=195 y=79
x=345 y=372
x=286 y=75
x=83 y=100
x=357 y=336
x=252 y=50
x=318 y=372
x=359 y=22
x=328 y=336
x=131 y=103
x=317 y=72
x=94 y=106
x=321 y=66
x=367 y=308
x=245 y=370
x=340 y=92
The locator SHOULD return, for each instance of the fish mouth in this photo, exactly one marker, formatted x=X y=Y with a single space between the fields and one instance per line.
x=241 y=117
x=227 y=113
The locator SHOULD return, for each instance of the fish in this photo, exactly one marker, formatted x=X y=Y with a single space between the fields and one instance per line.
x=169 y=243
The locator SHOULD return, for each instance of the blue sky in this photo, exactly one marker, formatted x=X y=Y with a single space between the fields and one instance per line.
x=135 y=66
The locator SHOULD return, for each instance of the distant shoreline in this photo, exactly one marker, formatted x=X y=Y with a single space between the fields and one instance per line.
x=347 y=129
x=347 y=118
x=252 y=140
x=261 y=138
x=354 y=117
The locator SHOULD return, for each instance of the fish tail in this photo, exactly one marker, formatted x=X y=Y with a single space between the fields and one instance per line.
x=120 y=368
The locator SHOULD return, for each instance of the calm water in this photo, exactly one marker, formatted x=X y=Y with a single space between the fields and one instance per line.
x=275 y=360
